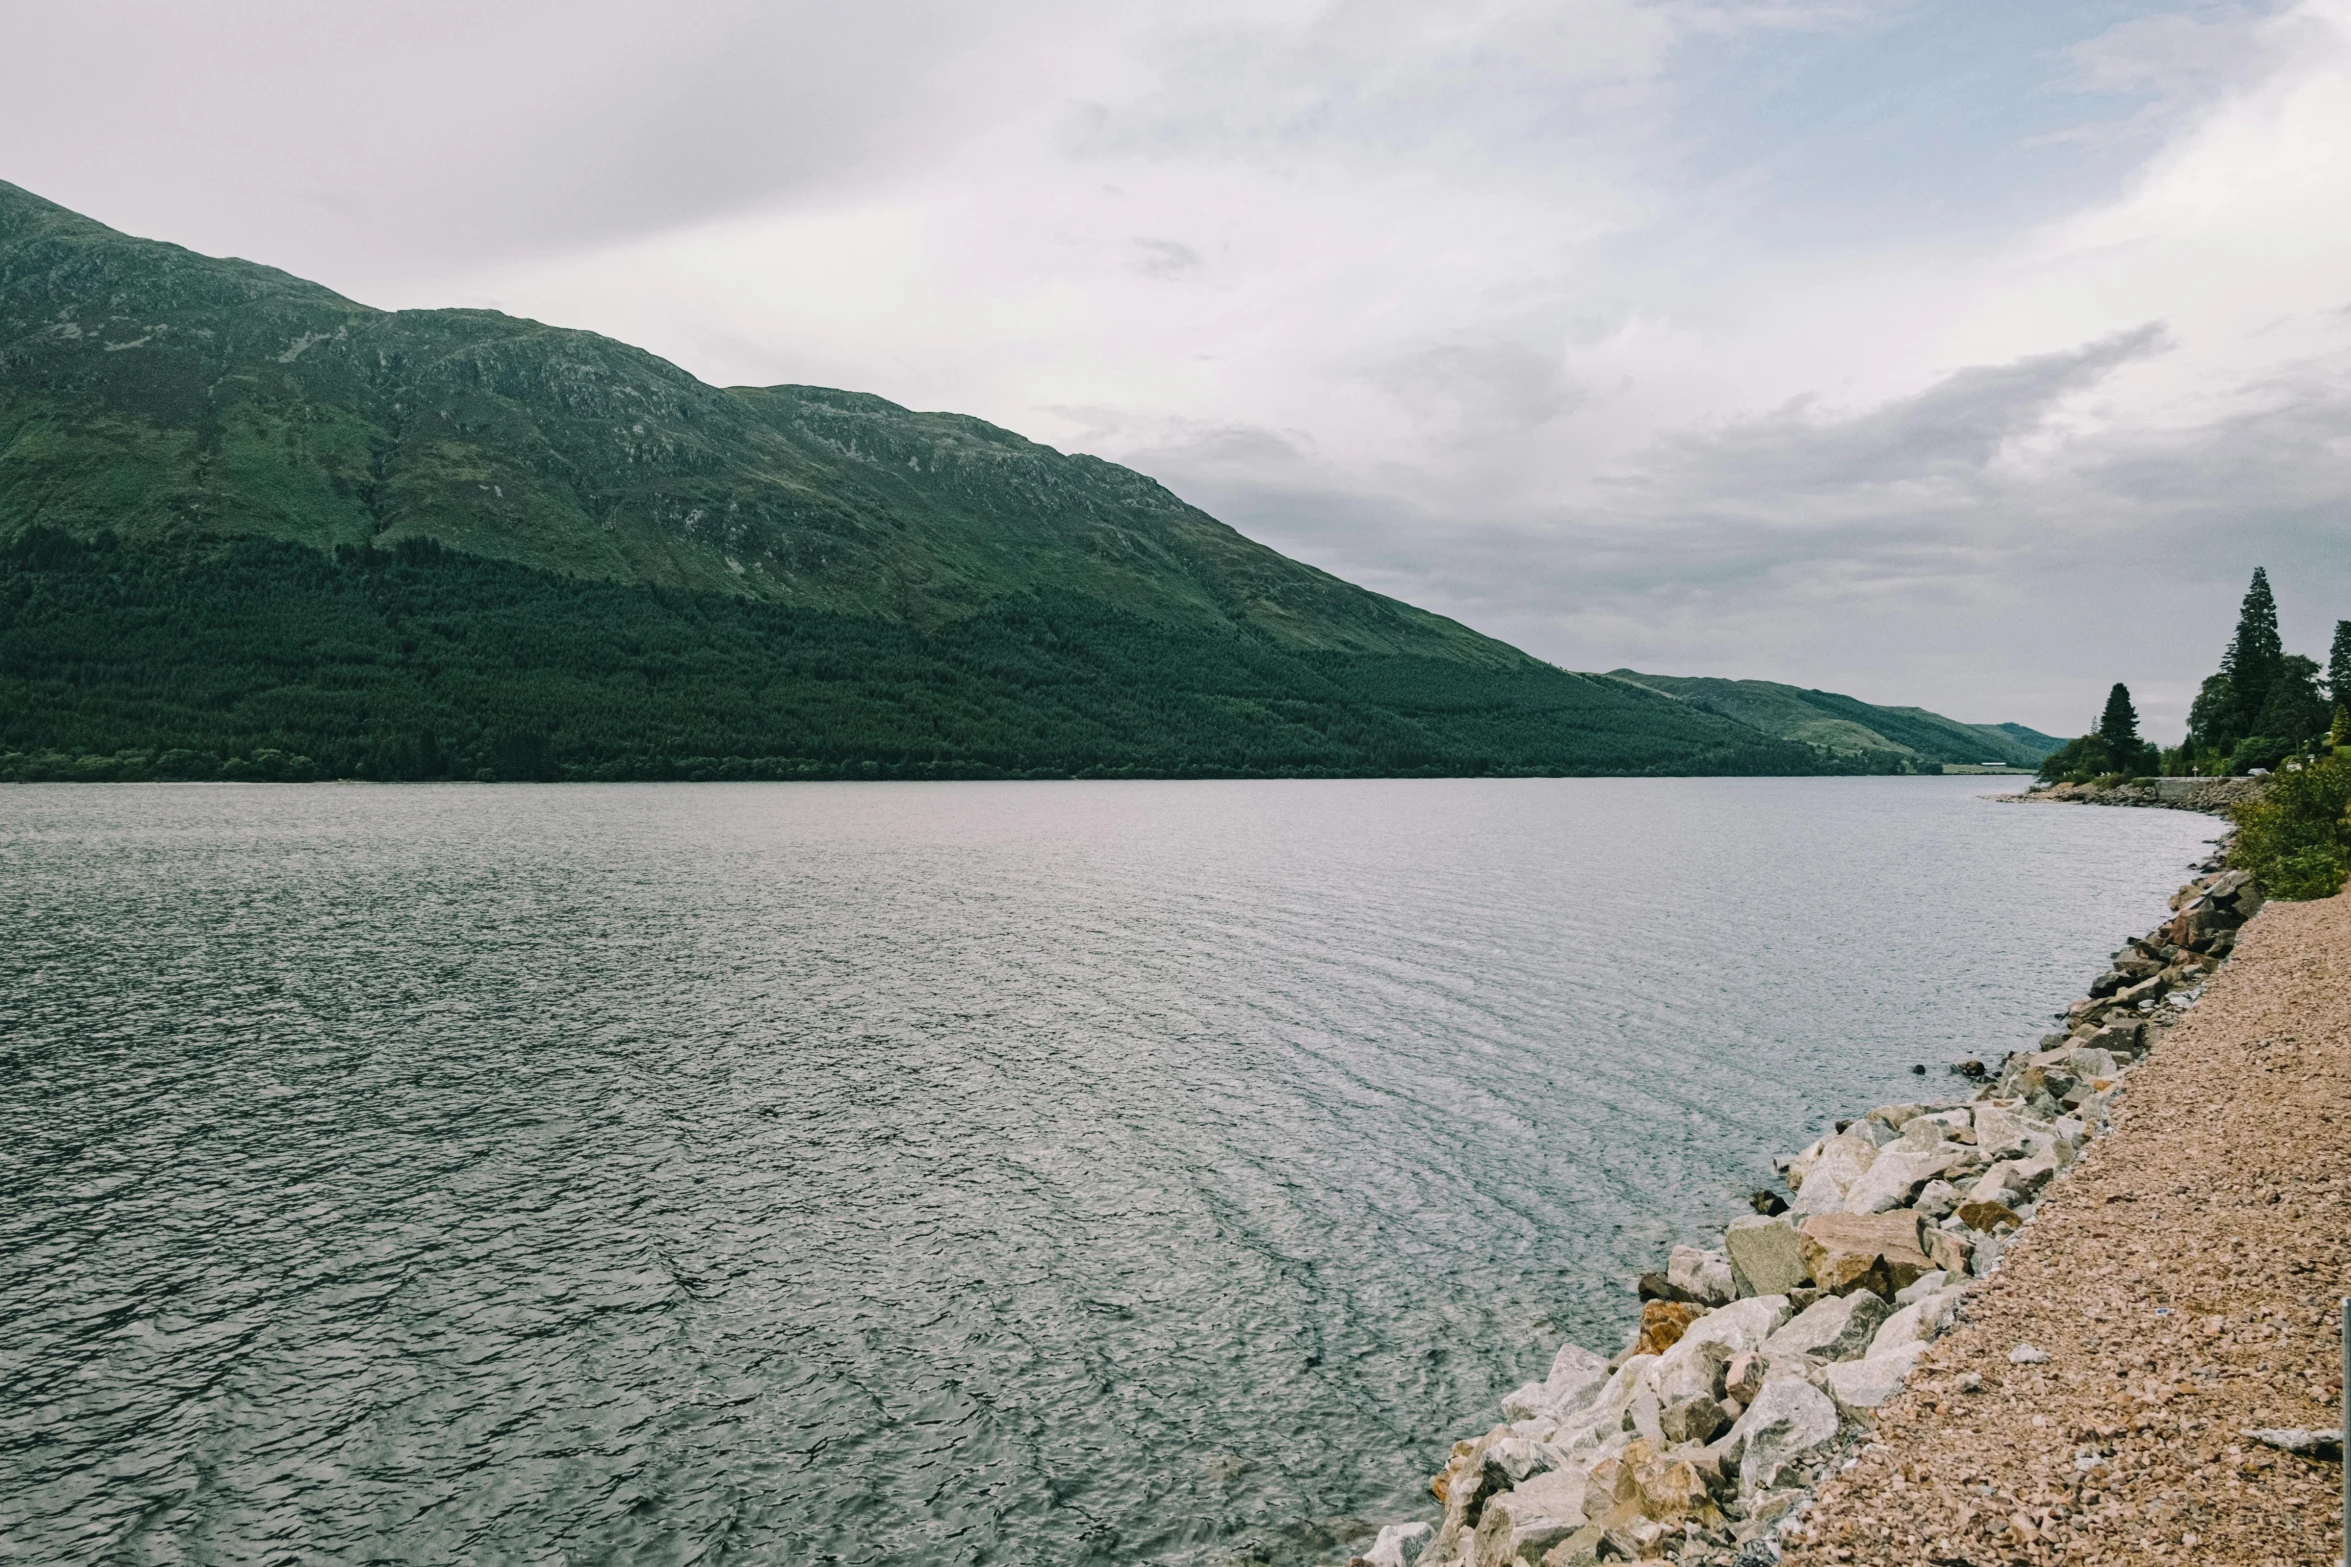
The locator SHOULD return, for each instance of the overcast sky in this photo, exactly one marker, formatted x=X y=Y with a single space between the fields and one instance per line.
x=1967 y=354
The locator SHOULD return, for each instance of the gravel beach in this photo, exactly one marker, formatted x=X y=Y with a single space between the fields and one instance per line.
x=2182 y=1283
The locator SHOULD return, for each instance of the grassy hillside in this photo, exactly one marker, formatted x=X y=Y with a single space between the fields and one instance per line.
x=251 y=528
x=1850 y=727
x=148 y=390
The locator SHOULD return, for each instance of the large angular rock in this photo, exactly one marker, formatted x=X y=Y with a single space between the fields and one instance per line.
x=1998 y=1134
x=2029 y=1174
x=1844 y=1159
x=1576 y=1376
x=1399 y=1545
x=1692 y=1419
x=1741 y=1326
x=1534 y=1515
x=1765 y=1256
x=1575 y=1379
x=1937 y=1198
x=1896 y=1176
x=1999 y=1184
x=1920 y=1322
x=2120 y=1037
x=1838 y=1328
x=2091 y=1065
x=1948 y=1252
x=1789 y=1420
x=1862 y=1385
x=1603 y=1420
x=1990 y=1215
x=1878 y=1252
x=1704 y=1276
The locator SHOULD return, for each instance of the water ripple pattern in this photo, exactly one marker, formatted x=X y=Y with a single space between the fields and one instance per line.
x=959 y=1173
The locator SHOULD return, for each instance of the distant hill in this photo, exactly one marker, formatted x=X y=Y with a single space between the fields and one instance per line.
x=1850 y=727
x=249 y=527
x=2029 y=737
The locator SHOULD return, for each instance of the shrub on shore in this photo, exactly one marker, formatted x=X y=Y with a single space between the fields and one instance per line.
x=2296 y=837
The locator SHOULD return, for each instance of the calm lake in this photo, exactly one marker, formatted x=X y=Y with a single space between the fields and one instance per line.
x=1037 y=1173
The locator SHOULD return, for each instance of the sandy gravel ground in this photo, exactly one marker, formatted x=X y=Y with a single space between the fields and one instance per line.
x=2183 y=1280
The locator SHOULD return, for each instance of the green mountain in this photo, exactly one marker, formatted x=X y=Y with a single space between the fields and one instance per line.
x=251 y=528
x=1849 y=727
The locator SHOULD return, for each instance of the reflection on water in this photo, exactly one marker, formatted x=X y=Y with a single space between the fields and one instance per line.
x=925 y=1173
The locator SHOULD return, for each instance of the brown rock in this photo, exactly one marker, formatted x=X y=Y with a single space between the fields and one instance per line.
x=1670 y=1490
x=1743 y=1378
x=1992 y=1218
x=1880 y=1252
x=1952 y=1253
x=1663 y=1322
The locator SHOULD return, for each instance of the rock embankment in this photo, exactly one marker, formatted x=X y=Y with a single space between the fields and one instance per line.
x=2213 y=795
x=2178 y=1294
x=1760 y=1363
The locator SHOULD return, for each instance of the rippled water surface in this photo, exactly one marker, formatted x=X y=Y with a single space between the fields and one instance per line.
x=918 y=1173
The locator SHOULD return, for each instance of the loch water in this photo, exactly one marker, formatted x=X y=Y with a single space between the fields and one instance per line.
x=928 y=1173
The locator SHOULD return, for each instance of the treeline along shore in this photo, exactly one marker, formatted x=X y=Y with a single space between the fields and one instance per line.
x=1782 y=1352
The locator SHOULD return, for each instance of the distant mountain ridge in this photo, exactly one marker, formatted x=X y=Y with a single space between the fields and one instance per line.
x=1848 y=726
x=249 y=527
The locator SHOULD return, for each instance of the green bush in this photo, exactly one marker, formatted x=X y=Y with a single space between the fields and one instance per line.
x=2295 y=837
x=2263 y=751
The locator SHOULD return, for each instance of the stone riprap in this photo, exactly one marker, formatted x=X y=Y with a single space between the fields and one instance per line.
x=1760 y=1361
x=2215 y=795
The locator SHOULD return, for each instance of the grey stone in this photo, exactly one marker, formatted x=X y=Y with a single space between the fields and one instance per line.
x=1540 y=1512
x=1927 y=1284
x=2309 y=1444
x=1877 y=1133
x=1936 y=1199
x=1921 y=1134
x=1743 y=1325
x=1696 y=1418
x=1860 y=1385
x=1895 y=1175
x=1998 y=1134
x=2087 y=1064
x=1765 y=1256
x=1918 y=1322
x=1844 y=1159
x=1399 y=1545
x=1838 y=1328
x=1704 y=1276
x=2027 y=1355
x=1789 y=1420
x=1575 y=1379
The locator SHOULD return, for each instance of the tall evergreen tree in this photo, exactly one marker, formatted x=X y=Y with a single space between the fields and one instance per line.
x=2254 y=656
x=2118 y=726
x=2339 y=666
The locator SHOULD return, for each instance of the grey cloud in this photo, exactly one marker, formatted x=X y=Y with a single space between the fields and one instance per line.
x=1164 y=257
x=1890 y=552
x=1479 y=390
x=524 y=126
x=1952 y=431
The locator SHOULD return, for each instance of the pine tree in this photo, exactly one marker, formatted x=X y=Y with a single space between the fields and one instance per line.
x=2339 y=666
x=2254 y=656
x=2118 y=726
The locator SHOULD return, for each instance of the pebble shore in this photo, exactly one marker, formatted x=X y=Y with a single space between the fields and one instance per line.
x=1882 y=1365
